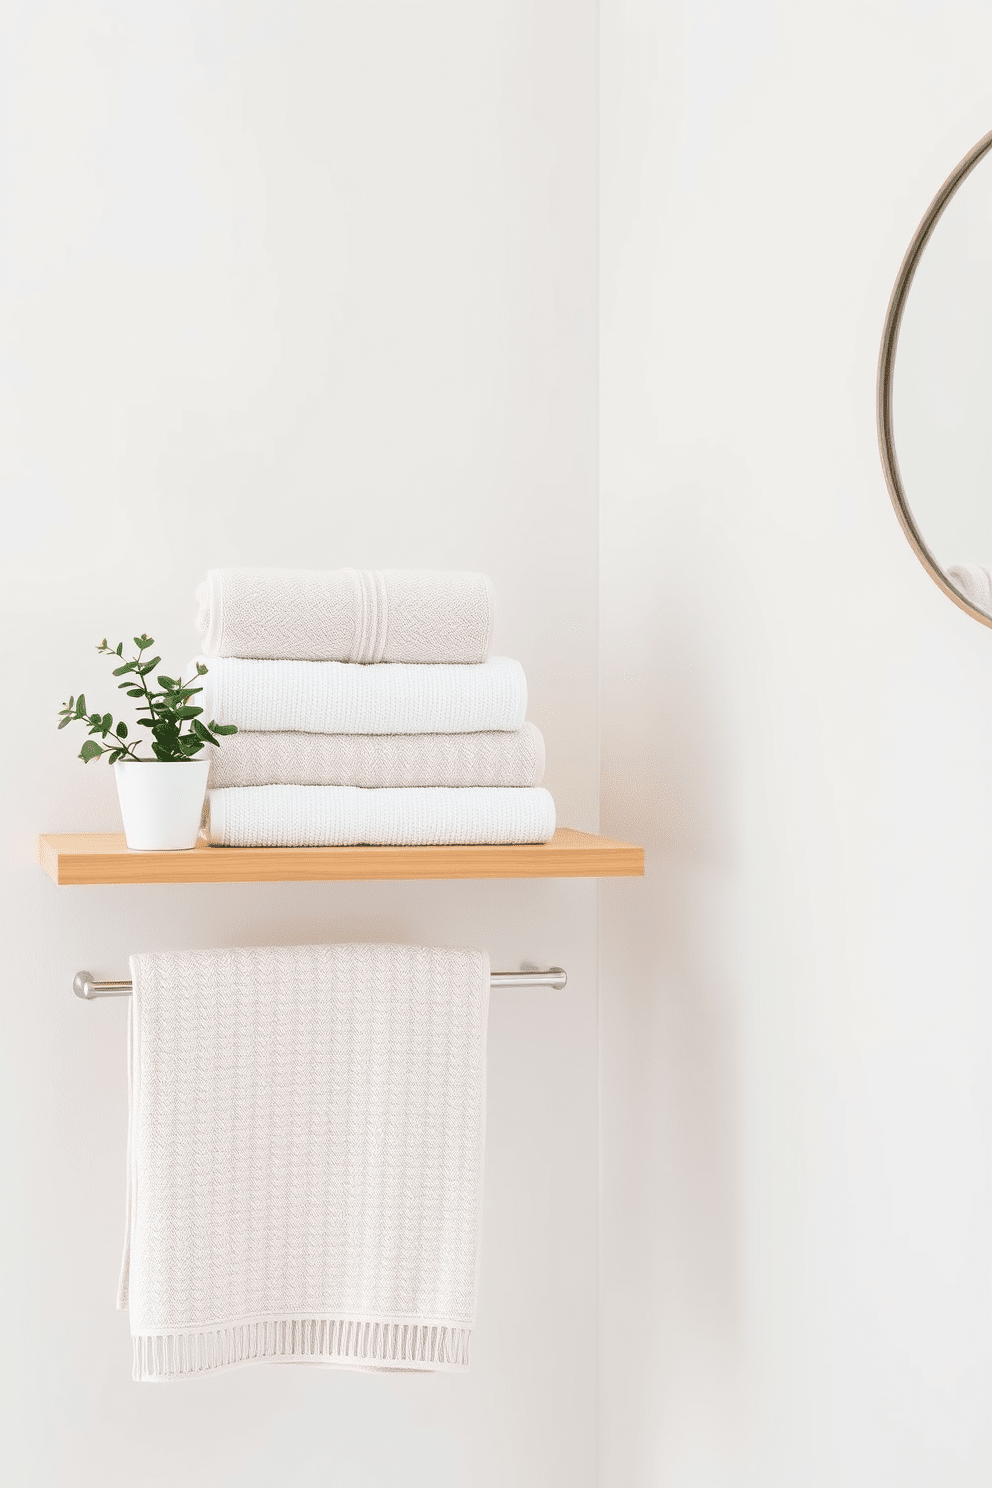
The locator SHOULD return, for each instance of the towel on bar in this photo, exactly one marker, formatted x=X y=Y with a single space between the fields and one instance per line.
x=415 y=615
x=305 y=1152
x=337 y=697
x=348 y=816
x=975 y=582
x=378 y=760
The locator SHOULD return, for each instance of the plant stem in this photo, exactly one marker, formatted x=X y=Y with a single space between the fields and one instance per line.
x=144 y=688
x=121 y=744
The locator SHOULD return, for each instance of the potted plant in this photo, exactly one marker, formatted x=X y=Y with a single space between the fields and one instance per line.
x=161 y=796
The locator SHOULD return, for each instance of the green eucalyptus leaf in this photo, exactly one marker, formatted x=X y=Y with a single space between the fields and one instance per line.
x=90 y=750
x=120 y=648
x=188 y=712
x=167 y=682
x=143 y=642
x=64 y=722
x=122 y=730
x=127 y=667
x=223 y=728
x=80 y=706
x=201 y=670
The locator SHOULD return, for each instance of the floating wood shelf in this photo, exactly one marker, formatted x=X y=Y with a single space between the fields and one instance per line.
x=96 y=859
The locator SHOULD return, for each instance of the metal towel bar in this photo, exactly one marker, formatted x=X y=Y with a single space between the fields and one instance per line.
x=86 y=986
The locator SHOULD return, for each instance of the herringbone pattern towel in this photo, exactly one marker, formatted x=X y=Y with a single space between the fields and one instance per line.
x=346 y=614
x=305 y=1157
x=379 y=761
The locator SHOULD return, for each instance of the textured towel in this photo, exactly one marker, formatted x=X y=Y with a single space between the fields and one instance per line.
x=304 y=1157
x=336 y=697
x=975 y=582
x=377 y=760
x=346 y=816
x=346 y=615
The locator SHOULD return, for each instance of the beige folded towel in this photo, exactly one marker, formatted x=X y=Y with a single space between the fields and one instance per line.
x=378 y=760
x=346 y=614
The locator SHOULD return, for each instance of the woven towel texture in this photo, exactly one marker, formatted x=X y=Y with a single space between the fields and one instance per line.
x=377 y=761
x=347 y=816
x=347 y=614
x=305 y=1157
x=333 y=697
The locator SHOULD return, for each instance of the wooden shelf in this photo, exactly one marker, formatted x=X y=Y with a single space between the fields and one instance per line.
x=95 y=859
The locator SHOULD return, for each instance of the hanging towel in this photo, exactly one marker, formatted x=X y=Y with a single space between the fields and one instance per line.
x=347 y=816
x=378 y=760
x=337 y=697
x=975 y=582
x=415 y=615
x=304 y=1157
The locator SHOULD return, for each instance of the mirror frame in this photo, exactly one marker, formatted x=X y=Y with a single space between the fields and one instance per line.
x=886 y=369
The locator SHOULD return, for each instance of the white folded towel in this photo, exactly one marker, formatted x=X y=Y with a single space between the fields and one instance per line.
x=304 y=1157
x=415 y=615
x=378 y=760
x=335 y=697
x=346 y=816
x=975 y=582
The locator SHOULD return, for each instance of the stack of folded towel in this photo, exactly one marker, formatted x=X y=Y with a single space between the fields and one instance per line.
x=367 y=712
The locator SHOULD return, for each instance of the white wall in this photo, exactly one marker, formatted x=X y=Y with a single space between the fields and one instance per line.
x=302 y=284
x=796 y=1001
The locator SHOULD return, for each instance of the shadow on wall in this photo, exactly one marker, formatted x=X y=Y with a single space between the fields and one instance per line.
x=671 y=1241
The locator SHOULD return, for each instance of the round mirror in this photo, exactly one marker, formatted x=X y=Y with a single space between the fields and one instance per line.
x=934 y=396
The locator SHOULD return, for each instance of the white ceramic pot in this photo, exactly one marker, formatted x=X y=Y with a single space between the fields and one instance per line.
x=161 y=803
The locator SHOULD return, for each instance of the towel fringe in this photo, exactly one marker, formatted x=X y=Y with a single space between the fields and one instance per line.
x=360 y=1342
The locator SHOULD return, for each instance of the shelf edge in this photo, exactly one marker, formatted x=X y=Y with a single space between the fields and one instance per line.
x=105 y=866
